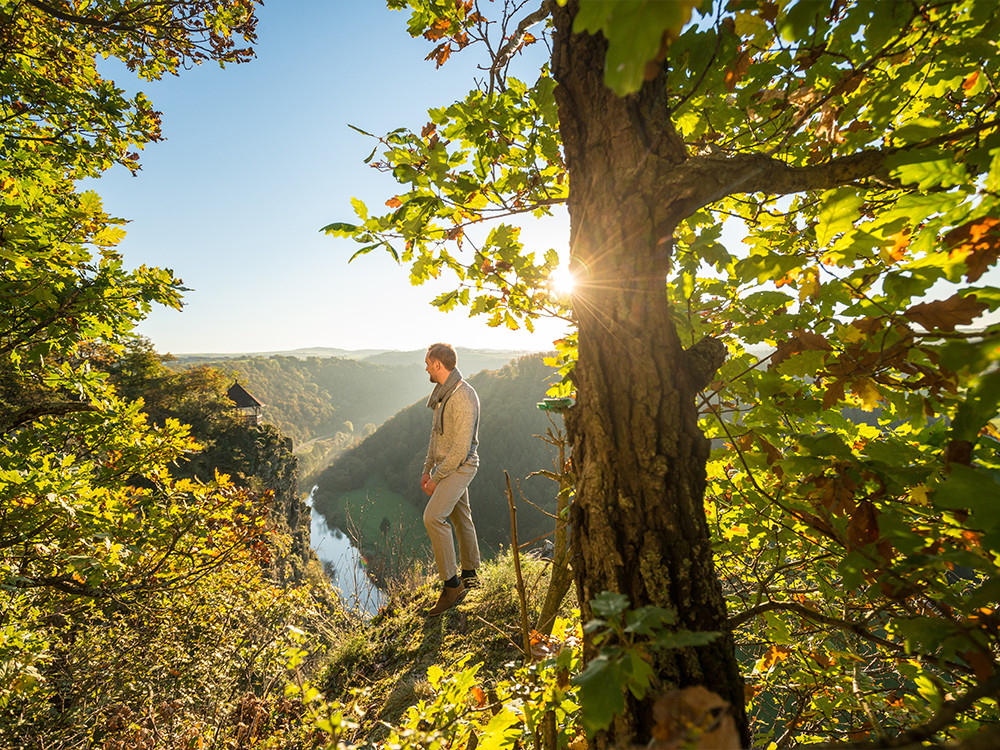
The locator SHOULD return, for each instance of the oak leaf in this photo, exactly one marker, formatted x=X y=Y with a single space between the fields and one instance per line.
x=866 y=390
x=900 y=241
x=979 y=242
x=862 y=527
x=772 y=656
x=801 y=341
x=945 y=315
x=394 y=202
x=737 y=69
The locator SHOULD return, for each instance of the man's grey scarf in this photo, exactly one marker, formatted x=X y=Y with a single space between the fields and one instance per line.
x=440 y=395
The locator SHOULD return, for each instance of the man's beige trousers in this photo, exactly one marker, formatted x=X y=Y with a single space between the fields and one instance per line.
x=451 y=501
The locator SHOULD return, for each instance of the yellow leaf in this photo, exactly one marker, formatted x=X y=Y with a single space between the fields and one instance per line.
x=919 y=494
x=850 y=334
x=866 y=390
x=434 y=675
x=809 y=284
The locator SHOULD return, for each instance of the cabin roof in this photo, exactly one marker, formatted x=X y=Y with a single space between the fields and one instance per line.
x=241 y=397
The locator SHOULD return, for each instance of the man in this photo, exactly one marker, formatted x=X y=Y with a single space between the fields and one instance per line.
x=452 y=462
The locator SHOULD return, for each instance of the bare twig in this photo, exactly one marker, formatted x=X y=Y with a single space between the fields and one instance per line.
x=517 y=569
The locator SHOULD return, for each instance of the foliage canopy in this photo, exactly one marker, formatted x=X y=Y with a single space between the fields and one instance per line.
x=94 y=515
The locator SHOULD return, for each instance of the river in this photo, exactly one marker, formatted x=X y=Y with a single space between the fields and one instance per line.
x=344 y=565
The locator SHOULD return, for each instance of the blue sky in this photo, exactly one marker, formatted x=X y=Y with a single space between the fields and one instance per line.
x=259 y=157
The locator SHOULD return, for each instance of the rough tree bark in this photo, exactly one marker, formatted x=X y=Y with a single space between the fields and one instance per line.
x=638 y=523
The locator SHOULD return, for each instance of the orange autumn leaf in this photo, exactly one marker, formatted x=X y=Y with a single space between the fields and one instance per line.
x=978 y=243
x=394 y=202
x=900 y=241
x=970 y=80
x=772 y=656
x=737 y=69
x=479 y=696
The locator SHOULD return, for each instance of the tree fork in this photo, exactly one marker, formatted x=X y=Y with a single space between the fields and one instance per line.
x=639 y=525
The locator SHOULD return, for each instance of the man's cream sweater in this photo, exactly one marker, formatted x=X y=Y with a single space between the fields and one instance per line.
x=458 y=443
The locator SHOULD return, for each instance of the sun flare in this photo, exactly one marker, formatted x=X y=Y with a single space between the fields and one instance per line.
x=562 y=281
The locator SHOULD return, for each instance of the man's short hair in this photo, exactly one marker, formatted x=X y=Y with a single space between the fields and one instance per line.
x=443 y=353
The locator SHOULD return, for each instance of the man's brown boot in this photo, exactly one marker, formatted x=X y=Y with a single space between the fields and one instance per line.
x=450 y=596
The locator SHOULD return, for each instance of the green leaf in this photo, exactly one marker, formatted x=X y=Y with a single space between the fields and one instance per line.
x=648 y=620
x=927 y=168
x=609 y=604
x=360 y=208
x=501 y=732
x=685 y=638
x=363 y=132
x=634 y=30
x=979 y=408
x=340 y=229
x=601 y=693
x=838 y=213
x=638 y=673
x=916 y=130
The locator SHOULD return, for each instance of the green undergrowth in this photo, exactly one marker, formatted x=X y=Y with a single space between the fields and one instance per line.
x=381 y=666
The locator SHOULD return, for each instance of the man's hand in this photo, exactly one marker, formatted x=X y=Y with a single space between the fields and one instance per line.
x=427 y=484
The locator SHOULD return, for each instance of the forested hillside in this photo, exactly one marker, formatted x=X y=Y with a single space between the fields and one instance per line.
x=327 y=404
x=508 y=423
x=163 y=545
x=316 y=397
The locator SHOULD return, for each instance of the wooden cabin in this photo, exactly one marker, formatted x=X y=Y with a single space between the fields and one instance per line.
x=249 y=406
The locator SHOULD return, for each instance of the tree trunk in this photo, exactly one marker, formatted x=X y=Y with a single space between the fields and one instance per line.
x=638 y=521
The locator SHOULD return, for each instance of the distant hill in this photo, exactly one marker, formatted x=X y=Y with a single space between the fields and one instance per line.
x=470 y=361
x=318 y=397
x=326 y=402
x=509 y=420
x=314 y=351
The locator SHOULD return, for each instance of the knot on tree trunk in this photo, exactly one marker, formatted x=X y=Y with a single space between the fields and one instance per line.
x=702 y=360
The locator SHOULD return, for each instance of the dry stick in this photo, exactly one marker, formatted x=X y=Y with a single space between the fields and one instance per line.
x=517 y=569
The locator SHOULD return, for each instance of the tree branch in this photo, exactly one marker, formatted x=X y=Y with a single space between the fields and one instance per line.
x=507 y=51
x=703 y=359
x=702 y=180
x=916 y=738
x=57 y=409
x=112 y=24
x=734 y=622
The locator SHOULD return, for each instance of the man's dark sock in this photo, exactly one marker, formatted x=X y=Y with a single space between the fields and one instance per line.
x=468 y=573
x=452 y=582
